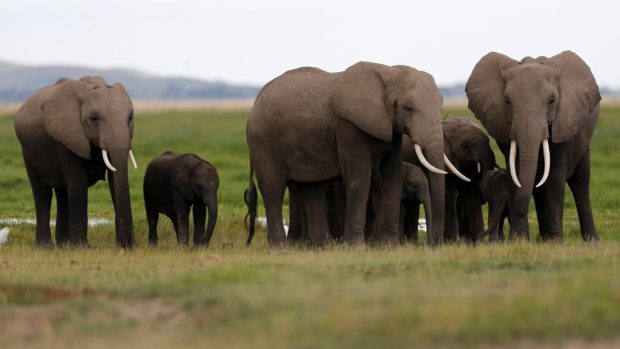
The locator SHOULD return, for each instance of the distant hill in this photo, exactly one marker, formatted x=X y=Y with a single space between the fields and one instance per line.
x=456 y=90
x=17 y=82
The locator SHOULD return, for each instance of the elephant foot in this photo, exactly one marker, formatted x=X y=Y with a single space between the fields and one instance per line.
x=516 y=235
x=591 y=238
x=355 y=237
x=450 y=238
x=44 y=245
x=201 y=244
x=77 y=245
x=551 y=237
x=278 y=244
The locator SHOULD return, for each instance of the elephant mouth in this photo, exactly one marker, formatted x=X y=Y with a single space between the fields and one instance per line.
x=512 y=161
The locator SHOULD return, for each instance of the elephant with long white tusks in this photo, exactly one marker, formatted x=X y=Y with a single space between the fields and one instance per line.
x=542 y=112
x=72 y=133
x=311 y=126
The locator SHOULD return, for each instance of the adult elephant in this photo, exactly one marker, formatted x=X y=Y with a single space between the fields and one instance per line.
x=70 y=132
x=528 y=103
x=467 y=148
x=309 y=125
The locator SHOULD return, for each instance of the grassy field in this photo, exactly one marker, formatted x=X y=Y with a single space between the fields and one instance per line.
x=524 y=295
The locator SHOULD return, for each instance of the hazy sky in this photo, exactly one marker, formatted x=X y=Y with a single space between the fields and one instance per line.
x=254 y=41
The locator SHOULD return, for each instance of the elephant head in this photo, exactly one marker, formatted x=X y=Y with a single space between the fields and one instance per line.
x=526 y=103
x=86 y=115
x=197 y=181
x=383 y=101
x=467 y=146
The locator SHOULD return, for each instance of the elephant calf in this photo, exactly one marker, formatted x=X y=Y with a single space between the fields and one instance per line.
x=495 y=188
x=173 y=182
x=416 y=191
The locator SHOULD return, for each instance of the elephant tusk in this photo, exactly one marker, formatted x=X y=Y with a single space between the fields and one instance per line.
x=107 y=161
x=454 y=170
x=513 y=156
x=478 y=167
x=425 y=163
x=133 y=159
x=547 y=158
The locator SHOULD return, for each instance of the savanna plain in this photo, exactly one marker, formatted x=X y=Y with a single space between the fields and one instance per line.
x=517 y=295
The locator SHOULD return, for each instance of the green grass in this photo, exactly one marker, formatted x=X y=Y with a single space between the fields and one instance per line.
x=521 y=294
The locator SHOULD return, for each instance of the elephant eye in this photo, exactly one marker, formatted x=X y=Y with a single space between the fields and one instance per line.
x=93 y=117
x=507 y=100
x=408 y=109
x=551 y=99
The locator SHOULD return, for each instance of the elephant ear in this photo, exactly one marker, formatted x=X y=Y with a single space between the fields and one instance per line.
x=62 y=116
x=485 y=92
x=579 y=95
x=450 y=131
x=360 y=97
x=182 y=171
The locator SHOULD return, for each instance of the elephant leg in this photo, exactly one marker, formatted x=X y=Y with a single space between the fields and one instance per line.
x=412 y=216
x=461 y=218
x=273 y=187
x=404 y=234
x=336 y=204
x=371 y=231
x=549 y=200
x=212 y=207
x=500 y=231
x=78 y=219
x=199 y=211
x=519 y=225
x=451 y=221
x=181 y=210
x=495 y=224
x=579 y=184
x=75 y=173
x=175 y=225
x=357 y=184
x=42 y=202
x=316 y=212
x=152 y=216
x=391 y=189
x=472 y=212
x=62 y=216
x=295 y=212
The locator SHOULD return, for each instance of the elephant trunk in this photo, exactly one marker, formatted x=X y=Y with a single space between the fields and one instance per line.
x=119 y=186
x=428 y=210
x=488 y=162
x=211 y=202
x=527 y=137
x=432 y=142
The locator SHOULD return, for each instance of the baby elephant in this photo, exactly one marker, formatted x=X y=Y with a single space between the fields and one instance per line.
x=495 y=188
x=173 y=182
x=415 y=192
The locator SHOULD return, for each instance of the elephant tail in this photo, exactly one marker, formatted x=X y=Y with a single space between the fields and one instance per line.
x=251 y=201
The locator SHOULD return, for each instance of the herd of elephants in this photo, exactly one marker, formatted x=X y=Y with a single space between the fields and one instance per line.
x=359 y=151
